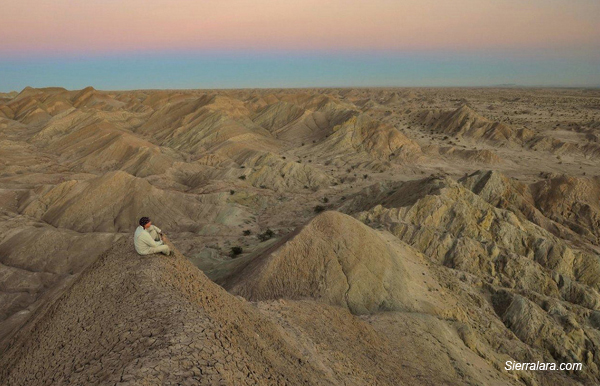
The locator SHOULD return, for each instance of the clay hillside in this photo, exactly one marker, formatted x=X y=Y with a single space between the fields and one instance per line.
x=320 y=236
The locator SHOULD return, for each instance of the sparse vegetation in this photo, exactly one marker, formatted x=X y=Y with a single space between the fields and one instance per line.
x=266 y=235
x=236 y=251
x=319 y=208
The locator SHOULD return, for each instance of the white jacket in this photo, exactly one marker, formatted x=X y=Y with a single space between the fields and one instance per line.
x=143 y=239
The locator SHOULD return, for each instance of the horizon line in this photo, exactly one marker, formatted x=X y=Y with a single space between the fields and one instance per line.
x=499 y=86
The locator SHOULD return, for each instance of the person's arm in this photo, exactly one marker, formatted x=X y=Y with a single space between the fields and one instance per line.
x=157 y=229
x=148 y=240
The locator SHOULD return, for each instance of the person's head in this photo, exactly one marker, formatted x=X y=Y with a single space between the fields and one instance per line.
x=145 y=222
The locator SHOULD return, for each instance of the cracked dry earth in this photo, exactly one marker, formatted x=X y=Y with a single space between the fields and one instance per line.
x=321 y=236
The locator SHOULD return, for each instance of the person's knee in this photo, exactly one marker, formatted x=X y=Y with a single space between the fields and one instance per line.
x=154 y=234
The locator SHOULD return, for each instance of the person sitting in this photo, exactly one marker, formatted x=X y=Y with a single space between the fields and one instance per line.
x=148 y=239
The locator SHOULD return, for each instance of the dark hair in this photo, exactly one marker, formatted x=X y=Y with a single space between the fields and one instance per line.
x=144 y=221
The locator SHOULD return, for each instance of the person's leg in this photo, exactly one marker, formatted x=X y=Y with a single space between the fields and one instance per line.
x=164 y=249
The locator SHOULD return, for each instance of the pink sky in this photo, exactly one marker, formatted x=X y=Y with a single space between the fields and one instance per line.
x=100 y=26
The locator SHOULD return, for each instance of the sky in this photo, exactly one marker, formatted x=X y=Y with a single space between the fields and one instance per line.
x=132 y=44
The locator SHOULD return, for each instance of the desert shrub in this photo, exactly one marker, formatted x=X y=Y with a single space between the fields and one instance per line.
x=232 y=192
x=235 y=251
x=242 y=177
x=319 y=208
x=266 y=235
x=247 y=232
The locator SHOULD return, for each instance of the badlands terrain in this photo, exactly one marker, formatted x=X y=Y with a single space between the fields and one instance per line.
x=321 y=236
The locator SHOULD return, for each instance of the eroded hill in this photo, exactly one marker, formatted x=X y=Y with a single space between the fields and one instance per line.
x=347 y=236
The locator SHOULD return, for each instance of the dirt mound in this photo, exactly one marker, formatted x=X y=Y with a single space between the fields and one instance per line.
x=337 y=259
x=196 y=127
x=277 y=116
x=37 y=106
x=464 y=121
x=393 y=99
x=361 y=137
x=448 y=222
x=290 y=122
x=436 y=216
x=470 y=155
x=268 y=170
x=571 y=201
x=90 y=97
x=559 y=204
x=506 y=193
x=119 y=199
x=101 y=147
